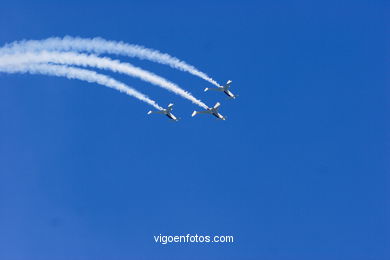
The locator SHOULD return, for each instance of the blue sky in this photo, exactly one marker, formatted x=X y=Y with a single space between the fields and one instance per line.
x=298 y=171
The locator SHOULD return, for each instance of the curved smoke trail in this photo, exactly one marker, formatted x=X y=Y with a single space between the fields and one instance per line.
x=78 y=59
x=76 y=73
x=99 y=45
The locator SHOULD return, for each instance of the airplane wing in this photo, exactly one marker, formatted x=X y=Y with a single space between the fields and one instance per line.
x=200 y=112
x=156 y=112
x=215 y=89
x=203 y=112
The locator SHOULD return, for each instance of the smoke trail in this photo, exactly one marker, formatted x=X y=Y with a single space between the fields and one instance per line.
x=76 y=73
x=70 y=58
x=99 y=45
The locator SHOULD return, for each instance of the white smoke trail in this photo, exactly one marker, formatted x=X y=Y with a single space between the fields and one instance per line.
x=77 y=59
x=76 y=73
x=99 y=45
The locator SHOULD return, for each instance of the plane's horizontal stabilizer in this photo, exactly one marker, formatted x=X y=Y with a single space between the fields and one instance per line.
x=149 y=112
x=206 y=89
x=194 y=113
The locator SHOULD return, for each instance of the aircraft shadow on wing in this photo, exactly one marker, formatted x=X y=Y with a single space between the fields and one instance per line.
x=210 y=110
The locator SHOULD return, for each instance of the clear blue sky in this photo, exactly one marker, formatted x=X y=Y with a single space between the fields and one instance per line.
x=298 y=171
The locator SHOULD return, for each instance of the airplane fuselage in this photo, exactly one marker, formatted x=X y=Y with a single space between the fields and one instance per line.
x=166 y=112
x=171 y=116
x=216 y=114
x=211 y=110
x=229 y=94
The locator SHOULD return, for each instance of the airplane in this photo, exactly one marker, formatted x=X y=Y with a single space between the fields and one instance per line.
x=167 y=112
x=211 y=110
x=225 y=90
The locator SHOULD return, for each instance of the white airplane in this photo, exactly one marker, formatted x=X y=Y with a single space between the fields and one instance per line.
x=224 y=89
x=211 y=110
x=167 y=112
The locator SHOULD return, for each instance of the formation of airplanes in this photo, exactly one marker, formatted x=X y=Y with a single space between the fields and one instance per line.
x=210 y=110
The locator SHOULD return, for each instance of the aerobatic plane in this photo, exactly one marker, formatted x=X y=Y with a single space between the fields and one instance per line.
x=224 y=89
x=167 y=112
x=211 y=110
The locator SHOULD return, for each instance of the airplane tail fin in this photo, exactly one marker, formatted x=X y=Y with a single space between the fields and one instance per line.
x=170 y=107
x=206 y=89
x=194 y=113
x=216 y=106
x=227 y=85
x=150 y=112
